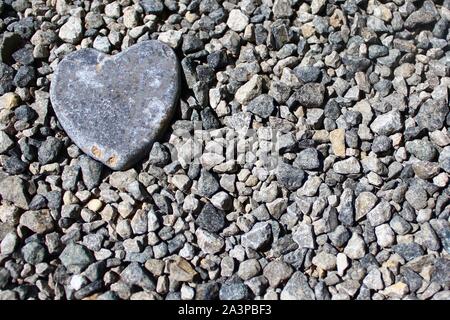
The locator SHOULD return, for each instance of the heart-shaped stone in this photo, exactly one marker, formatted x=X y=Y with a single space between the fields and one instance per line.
x=115 y=107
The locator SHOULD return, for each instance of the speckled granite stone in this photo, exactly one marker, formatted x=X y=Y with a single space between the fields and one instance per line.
x=115 y=107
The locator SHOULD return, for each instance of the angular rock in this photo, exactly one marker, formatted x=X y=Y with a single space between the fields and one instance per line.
x=258 y=237
x=297 y=288
x=347 y=166
x=181 y=270
x=311 y=95
x=37 y=221
x=355 y=248
x=325 y=261
x=308 y=159
x=13 y=189
x=262 y=106
x=432 y=114
x=337 y=139
x=75 y=256
x=380 y=214
x=387 y=123
x=210 y=219
x=304 y=236
x=237 y=21
x=134 y=274
x=72 y=30
x=209 y=242
x=290 y=177
x=91 y=171
x=364 y=203
x=277 y=272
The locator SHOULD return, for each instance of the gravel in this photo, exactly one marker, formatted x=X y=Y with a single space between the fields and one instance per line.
x=304 y=152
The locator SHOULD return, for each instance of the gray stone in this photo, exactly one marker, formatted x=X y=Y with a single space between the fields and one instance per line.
x=409 y=251
x=234 y=291
x=385 y=235
x=76 y=257
x=159 y=155
x=102 y=44
x=49 y=150
x=380 y=214
x=381 y=144
x=346 y=208
x=9 y=243
x=421 y=149
x=304 y=236
x=441 y=272
x=427 y=237
x=210 y=218
x=419 y=18
x=121 y=179
x=249 y=269
x=6 y=78
x=373 y=280
x=34 y=252
x=207 y=184
x=134 y=274
x=5 y=142
x=307 y=73
x=325 y=261
x=387 y=123
x=364 y=203
x=417 y=197
x=347 y=166
x=311 y=95
x=400 y=225
x=258 y=237
x=114 y=108
x=444 y=159
x=152 y=6
x=355 y=248
x=277 y=272
x=13 y=189
x=237 y=21
x=432 y=114
x=262 y=106
x=297 y=288
x=37 y=221
x=72 y=30
x=209 y=242
x=290 y=177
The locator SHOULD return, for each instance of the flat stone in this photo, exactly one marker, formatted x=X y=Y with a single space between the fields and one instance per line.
x=115 y=107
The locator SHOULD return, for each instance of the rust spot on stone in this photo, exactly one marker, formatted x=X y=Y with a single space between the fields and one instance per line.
x=96 y=152
x=98 y=67
x=112 y=160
